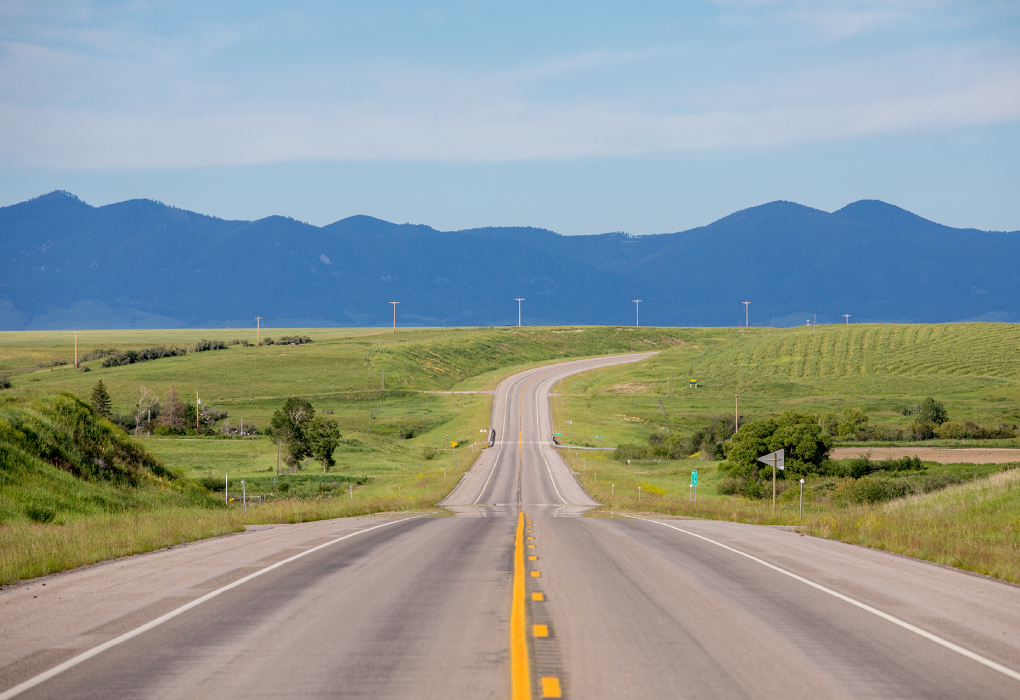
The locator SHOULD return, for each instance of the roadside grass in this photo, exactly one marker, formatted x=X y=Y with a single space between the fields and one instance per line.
x=29 y=549
x=974 y=526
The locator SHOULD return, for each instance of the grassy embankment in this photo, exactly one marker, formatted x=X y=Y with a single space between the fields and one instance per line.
x=972 y=367
x=341 y=371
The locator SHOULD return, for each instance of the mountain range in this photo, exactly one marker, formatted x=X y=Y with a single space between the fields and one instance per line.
x=141 y=264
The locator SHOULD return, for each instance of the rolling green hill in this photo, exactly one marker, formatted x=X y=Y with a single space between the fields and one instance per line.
x=973 y=367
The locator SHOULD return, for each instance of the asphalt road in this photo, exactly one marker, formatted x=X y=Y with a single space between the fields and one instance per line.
x=420 y=607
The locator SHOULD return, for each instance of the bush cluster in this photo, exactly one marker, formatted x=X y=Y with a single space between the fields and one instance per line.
x=884 y=488
x=129 y=357
x=707 y=440
x=287 y=340
x=204 y=345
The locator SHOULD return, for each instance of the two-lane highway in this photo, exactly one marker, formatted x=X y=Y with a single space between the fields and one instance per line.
x=516 y=595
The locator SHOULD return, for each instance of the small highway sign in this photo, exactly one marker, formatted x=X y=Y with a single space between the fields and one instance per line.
x=557 y=434
x=694 y=477
x=775 y=459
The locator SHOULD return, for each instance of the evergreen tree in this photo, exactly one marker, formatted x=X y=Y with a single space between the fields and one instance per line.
x=101 y=403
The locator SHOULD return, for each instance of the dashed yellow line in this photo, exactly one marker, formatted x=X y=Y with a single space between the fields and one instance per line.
x=540 y=630
x=535 y=574
x=538 y=597
x=551 y=687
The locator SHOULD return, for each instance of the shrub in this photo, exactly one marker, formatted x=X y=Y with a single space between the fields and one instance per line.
x=41 y=514
x=428 y=453
x=406 y=433
x=933 y=411
x=869 y=490
x=729 y=486
x=630 y=451
x=294 y=340
x=919 y=430
x=204 y=345
x=5 y=381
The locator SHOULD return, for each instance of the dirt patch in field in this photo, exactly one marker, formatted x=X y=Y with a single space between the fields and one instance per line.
x=627 y=388
x=942 y=455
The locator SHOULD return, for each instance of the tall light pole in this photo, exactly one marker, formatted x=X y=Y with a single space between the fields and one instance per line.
x=394 y=315
x=519 y=300
x=637 y=310
x=76 y=349
x=258 y=329
x=746 y=306
x=847 y=319
x=736 y=413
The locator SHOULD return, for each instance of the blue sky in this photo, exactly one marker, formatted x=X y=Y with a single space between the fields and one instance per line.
x=581 y=117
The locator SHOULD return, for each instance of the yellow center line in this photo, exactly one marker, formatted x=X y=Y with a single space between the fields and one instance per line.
x=551 y=687
x=520 y=675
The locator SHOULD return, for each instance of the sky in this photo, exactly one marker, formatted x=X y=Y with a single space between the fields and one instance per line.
x=579 y=117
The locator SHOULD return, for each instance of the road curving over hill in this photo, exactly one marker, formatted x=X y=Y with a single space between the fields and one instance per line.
x=490 y=603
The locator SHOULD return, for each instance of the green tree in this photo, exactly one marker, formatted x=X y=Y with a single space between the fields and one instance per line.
x=289 y=426
x=798 y=434
x=101 y=402
x=854 y=422
x=933 y=412
x=323 y=437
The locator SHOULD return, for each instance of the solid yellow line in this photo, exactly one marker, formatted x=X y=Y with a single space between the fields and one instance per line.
x=520 y=675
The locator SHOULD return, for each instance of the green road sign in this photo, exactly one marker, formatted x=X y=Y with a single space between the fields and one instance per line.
x=557 y=434
x=694 y=477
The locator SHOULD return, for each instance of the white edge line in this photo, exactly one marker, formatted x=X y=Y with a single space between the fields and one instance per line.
x=541 y=446
x=95 y=651
x=973 y=656
x=495 y=461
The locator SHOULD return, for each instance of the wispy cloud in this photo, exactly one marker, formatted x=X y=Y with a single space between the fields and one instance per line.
x=107 y=94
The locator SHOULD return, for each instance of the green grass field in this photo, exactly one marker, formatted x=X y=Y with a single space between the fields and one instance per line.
x=974 y=368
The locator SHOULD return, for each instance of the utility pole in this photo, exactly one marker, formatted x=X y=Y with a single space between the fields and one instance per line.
x=847 y=319
x=258 y=328
x=814 y=324
x=198 y=411
x=736 y=413
x=637 y=312
x=519 y=300
x=746 y=306
x=76 y=349
x=394 y=315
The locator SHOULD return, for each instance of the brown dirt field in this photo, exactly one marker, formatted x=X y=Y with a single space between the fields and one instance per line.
x=942 y=455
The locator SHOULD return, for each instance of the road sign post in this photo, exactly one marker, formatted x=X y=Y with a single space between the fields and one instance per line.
x=778 y=461
x=802 y=499
x=694 y=485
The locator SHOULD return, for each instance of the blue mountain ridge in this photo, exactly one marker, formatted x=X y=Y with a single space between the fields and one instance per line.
x=143 y=264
